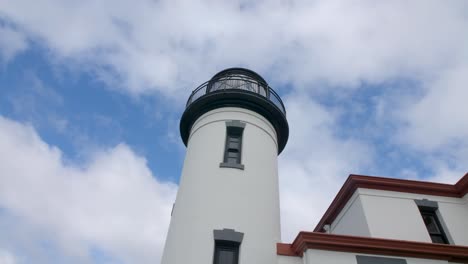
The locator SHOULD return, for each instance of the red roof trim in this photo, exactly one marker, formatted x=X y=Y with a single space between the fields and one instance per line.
x=377 y=246
x=388 y=184
x=285 y=249
x=462 y=185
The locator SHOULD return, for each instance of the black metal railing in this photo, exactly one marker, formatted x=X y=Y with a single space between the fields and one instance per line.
x=239 y=82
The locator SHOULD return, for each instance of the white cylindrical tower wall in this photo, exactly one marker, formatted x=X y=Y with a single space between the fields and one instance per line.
x=211 y=197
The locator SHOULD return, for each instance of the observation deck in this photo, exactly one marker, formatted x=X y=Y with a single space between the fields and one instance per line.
x=237 y=87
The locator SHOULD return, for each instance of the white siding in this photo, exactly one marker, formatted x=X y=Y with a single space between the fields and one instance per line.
x=211 y=197
x=455 y=219
x=351 y=220
x=314 y=256
x=395 y=215
x=394 y=218
x=289 y=260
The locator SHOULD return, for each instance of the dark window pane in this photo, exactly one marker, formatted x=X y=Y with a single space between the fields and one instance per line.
x=226 y=253
x=226 y=257
x=376 y=260
x=233 y=145
x=232 y=149
x=438 y=239
x=431 y=224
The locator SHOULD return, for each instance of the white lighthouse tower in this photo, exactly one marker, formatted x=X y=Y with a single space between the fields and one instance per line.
x=227 y=206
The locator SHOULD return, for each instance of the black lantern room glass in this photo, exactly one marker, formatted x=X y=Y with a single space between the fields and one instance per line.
x=238 y=79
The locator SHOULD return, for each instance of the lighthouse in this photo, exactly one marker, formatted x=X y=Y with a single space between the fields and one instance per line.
x=227 y=207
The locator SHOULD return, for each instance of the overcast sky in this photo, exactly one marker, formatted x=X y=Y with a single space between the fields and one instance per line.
x=91 y=93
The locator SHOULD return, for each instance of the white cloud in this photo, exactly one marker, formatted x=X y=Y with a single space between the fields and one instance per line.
x=6 y=257
x=11 y=43
x=318 y=159
x=435 y=125
x=440 y=118
x=166 y=45
x=112 y=204
x=314 y=165
x=171 y=46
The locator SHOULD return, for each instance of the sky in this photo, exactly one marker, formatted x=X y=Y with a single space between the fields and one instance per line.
x=91 y=93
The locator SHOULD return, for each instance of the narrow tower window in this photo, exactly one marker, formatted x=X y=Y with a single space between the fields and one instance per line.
x=227 y=243
x=226 y=253
x=233 y=147
x=428 y=211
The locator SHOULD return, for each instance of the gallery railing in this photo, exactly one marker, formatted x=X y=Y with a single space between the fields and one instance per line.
x=239 y=82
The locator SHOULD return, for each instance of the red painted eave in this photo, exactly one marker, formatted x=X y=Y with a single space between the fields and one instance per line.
x=377 y=246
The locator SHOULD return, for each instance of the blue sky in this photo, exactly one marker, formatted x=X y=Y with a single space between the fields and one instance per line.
x=73 y=109
x=91 y=94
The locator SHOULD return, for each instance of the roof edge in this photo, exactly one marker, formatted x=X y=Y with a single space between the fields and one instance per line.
x=284 y=249
x=462 y=185
x=377 y=246
x=388 y=184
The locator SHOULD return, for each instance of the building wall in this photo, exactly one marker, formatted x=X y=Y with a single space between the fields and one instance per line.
x=391 y=216
x=454 y=216
x=395 y=215
x=290 y=260
x=210 y=197
x=351 y=220
x=314 y=256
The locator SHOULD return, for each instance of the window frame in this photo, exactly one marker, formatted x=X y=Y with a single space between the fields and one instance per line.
x=234 y=129
x=441 y=234
x=429 y=209
x=231 y=136
x=227 y=239
x=227 y=246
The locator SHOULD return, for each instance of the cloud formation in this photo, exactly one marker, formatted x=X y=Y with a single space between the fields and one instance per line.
x=171 y=46
x=12 y=42
x=6 y=257
x=112 y=206
x=160 y=44
x=314 y=165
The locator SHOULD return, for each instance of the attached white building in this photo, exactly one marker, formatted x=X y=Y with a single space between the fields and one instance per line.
x=383 y=220
x=227 y=206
